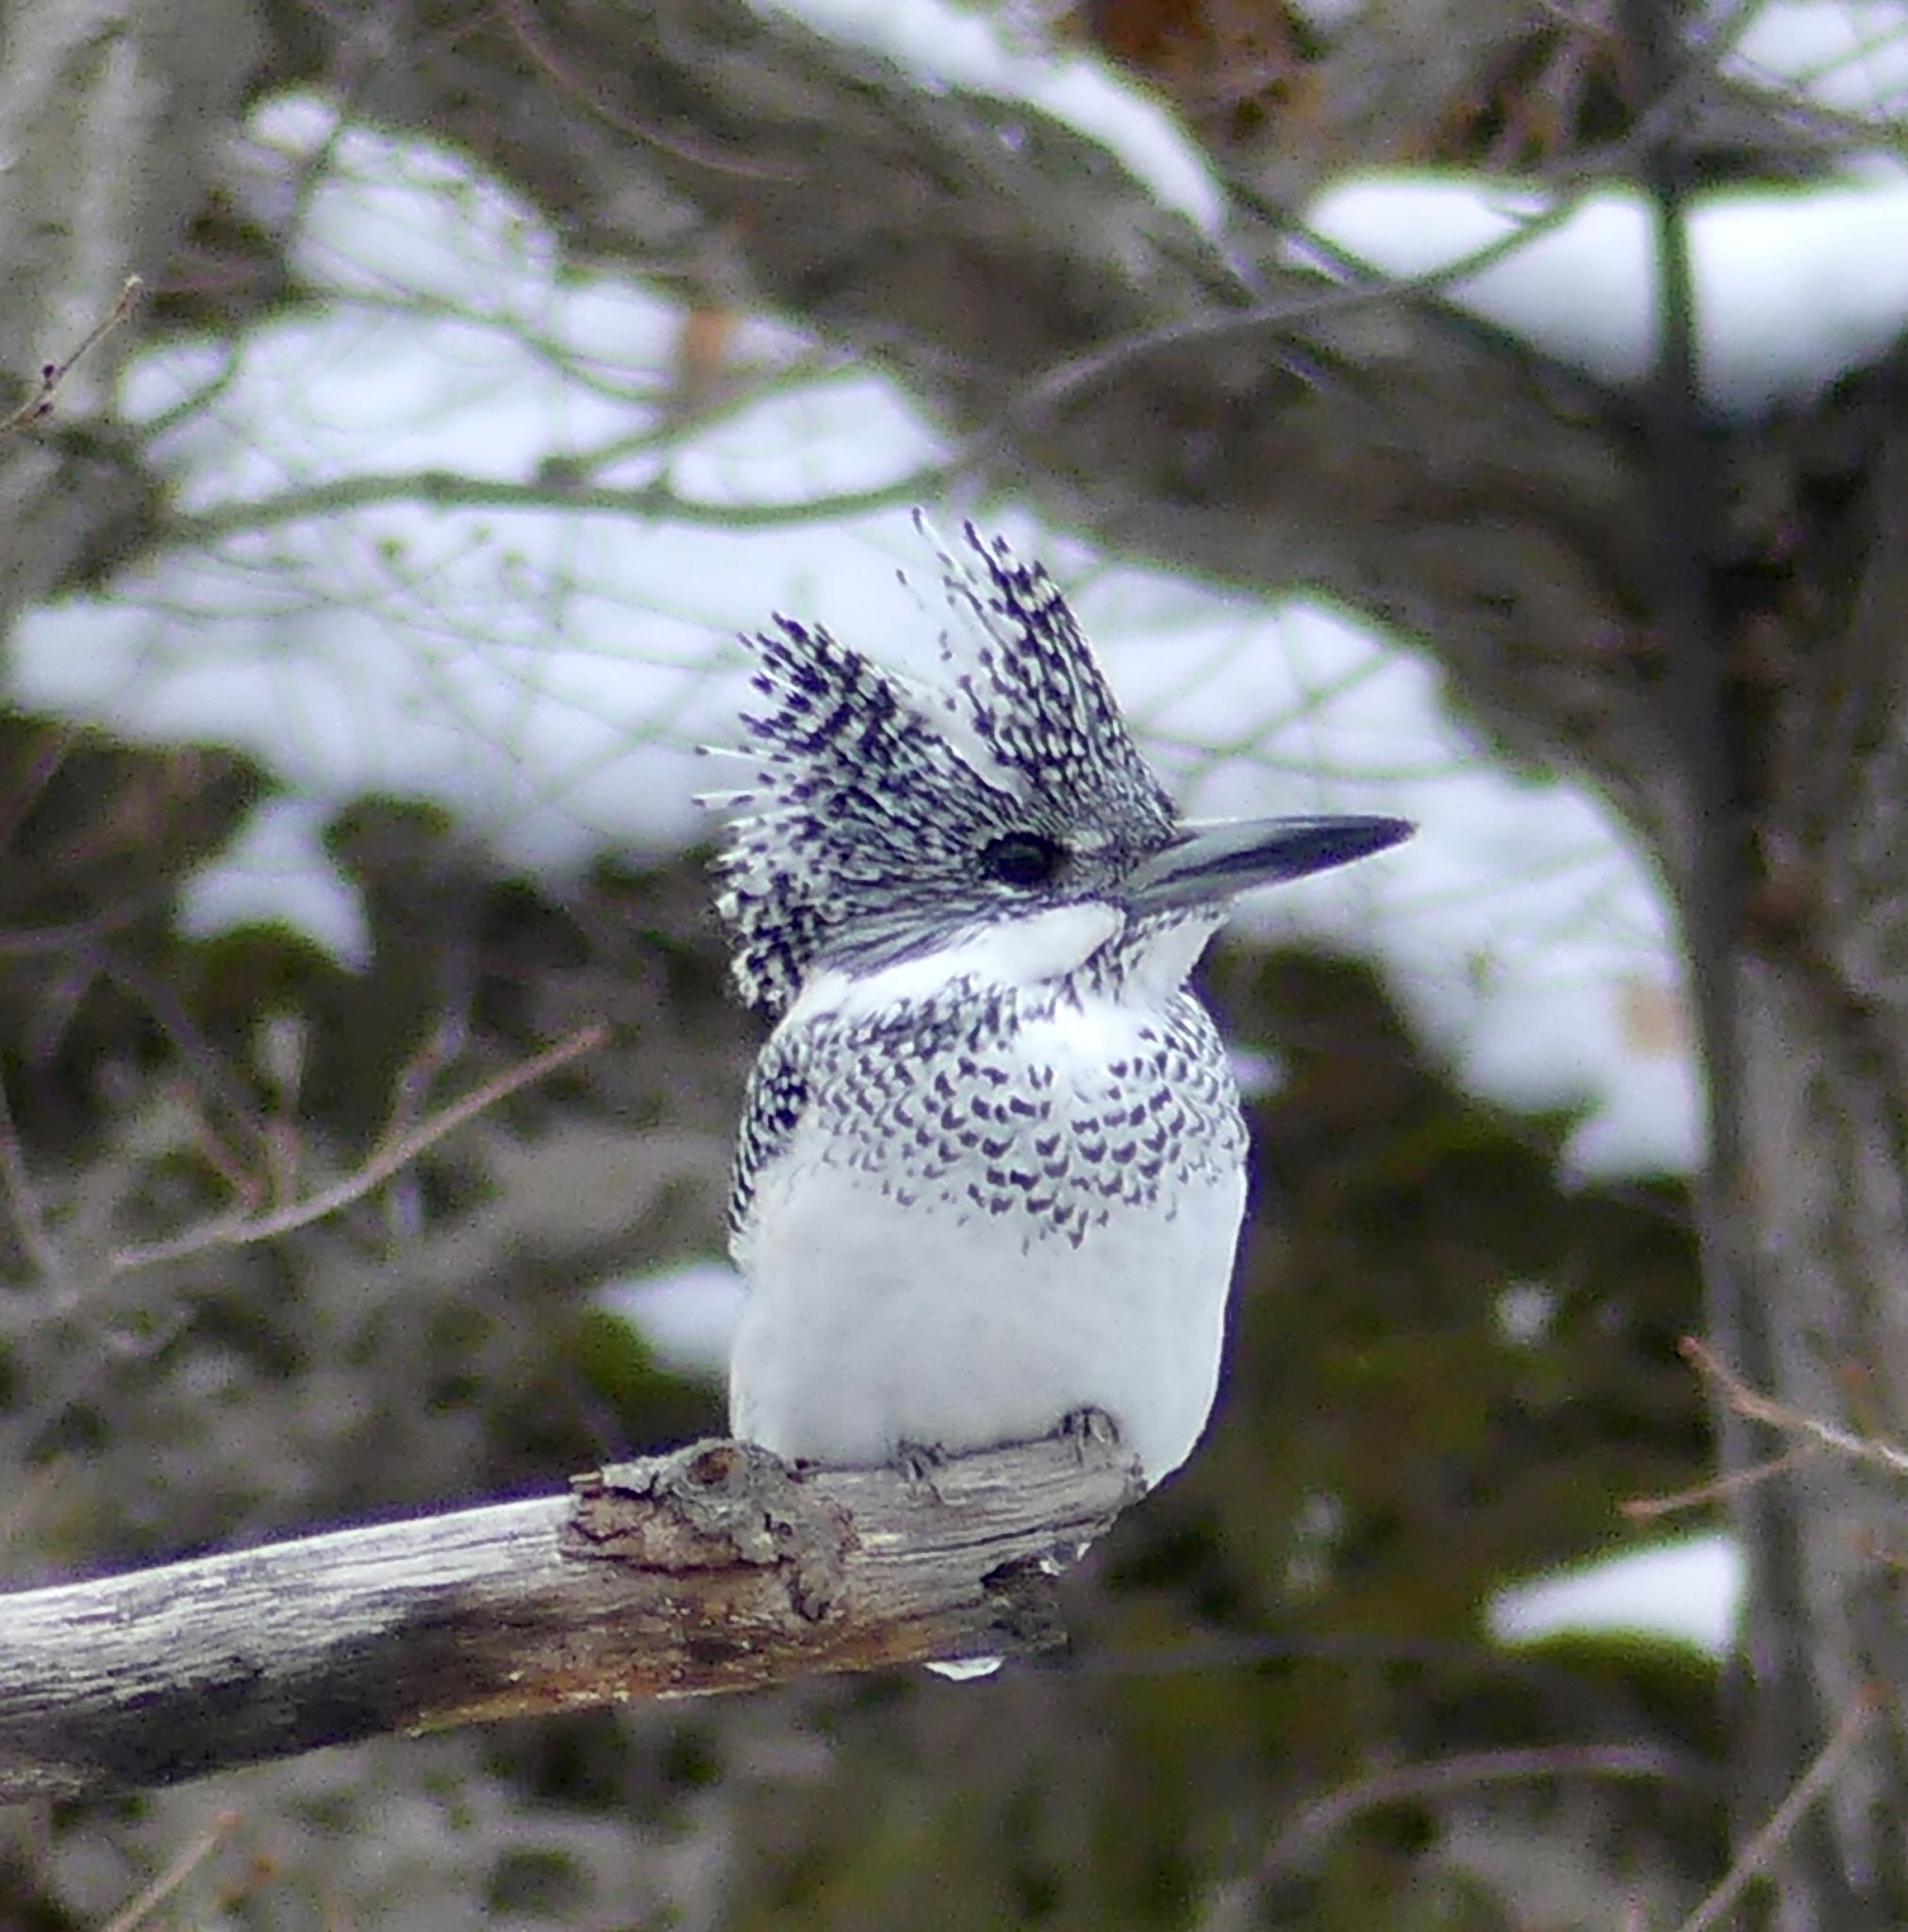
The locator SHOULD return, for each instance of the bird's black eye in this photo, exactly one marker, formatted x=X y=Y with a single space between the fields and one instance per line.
x=1025 y=858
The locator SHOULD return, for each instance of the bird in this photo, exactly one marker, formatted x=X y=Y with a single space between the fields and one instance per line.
x=990 y=1176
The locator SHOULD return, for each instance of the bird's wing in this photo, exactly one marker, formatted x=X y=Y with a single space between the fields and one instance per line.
x=777 y=1093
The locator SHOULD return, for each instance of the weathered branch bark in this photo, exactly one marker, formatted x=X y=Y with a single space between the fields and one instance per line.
x=716 y=1568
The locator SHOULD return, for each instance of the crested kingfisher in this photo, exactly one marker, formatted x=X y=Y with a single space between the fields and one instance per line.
x=993 y=1168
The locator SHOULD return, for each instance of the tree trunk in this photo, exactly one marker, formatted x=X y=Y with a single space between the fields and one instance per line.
x=110 y=119
x=1822 y=1211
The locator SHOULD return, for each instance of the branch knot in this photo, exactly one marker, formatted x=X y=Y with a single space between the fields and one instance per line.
x=713 y=1506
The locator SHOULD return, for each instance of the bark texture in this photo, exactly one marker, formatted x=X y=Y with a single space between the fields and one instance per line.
x=716 y=1568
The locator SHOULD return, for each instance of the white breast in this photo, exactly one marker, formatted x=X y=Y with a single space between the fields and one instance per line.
x=881 y=1313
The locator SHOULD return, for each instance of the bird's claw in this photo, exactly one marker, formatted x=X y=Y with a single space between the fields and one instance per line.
x=917 y=1461
x=1088 y=1428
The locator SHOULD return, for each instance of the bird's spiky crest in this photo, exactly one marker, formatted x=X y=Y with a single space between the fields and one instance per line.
x=873 y=798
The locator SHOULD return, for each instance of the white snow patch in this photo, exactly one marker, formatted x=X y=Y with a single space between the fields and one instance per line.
x=1795 y=288
x=276 y=871
x=1690 y=1591
x=948 y=47
x=1259 y=1073
x=1851 y=56
x=1525 y=1312
x=687 y=1315
x=1330 y=17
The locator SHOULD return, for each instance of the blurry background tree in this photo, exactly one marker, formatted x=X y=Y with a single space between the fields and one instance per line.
x=365 y=590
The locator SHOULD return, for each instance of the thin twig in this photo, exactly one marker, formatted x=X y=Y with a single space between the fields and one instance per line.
x=589 y=96
x=175 y=1874
x=240 y=1230
x=1754 y=1857
x=448 y=490
x=164 y=1004
x=40 y=766
x=40 y=404
x=1874 y=1450
x=1719 y=1489
x=225 y=1160
x=16 y=1183
x=1063 y=381
x=1303 y=1836
x=411 y=1090
x=1463 y=1771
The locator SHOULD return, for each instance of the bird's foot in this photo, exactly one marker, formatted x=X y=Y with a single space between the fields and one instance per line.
x=917 y=1461
x=1088 y=1428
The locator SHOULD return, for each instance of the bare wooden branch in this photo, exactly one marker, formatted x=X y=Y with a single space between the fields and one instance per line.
x=716 y=1568
x=240 y=1227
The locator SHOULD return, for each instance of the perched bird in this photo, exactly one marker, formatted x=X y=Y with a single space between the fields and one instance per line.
x=991 y=1170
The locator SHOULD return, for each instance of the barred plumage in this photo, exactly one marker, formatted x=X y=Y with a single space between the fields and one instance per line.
x=991 y=1170
x=872 y=796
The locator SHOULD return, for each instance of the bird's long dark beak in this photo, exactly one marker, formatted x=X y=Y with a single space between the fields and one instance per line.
x=1207 y=864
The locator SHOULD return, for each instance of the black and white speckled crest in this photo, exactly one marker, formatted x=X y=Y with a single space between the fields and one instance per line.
x=873 y=799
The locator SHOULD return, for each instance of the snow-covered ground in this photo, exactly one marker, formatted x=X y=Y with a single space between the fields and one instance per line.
x=544 y=674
